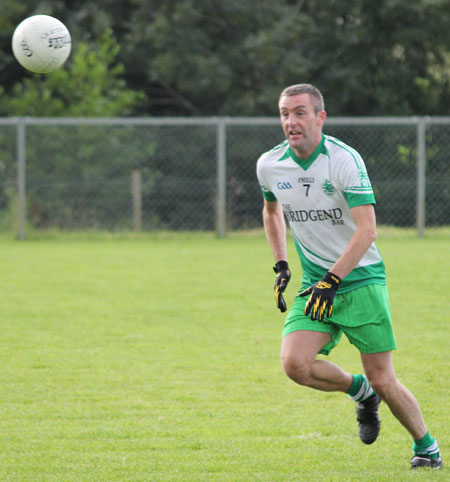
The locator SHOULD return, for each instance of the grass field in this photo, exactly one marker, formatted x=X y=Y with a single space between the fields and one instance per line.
x=156 y=358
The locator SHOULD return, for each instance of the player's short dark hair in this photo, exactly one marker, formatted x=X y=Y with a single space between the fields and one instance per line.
x=313 y=92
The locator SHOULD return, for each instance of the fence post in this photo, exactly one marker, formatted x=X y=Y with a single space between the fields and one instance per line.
x=221 y=215
x=21 y=180
x=136 y=190
x=421 y=179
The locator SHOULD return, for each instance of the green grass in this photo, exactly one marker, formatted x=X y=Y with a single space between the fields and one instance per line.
x=156 y=358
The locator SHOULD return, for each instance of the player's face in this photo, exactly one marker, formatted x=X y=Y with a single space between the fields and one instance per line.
x=302 y=126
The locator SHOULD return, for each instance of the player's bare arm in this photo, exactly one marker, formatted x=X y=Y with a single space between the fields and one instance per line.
x=275 y=228
x=363 y=237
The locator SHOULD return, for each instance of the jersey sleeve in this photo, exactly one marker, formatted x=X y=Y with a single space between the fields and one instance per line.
x=355 y=182
x=263 y=184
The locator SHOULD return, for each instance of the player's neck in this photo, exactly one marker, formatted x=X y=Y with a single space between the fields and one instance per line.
x=305 y=153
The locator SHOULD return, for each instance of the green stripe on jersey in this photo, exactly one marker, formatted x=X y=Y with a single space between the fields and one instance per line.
x=269 y=196
x=279 y=146
x=359 y=189
x=311 y=252
x=305 y=164
x=359 y=199
x=358 y=277
x=356 y=156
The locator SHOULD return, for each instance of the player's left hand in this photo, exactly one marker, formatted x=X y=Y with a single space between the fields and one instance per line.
x=321 y=296
x=283 y=276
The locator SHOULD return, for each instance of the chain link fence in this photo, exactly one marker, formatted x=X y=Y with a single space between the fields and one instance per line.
x=198 y=173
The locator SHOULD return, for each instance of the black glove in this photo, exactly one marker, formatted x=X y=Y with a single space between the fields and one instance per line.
x=283 y=276
x=322 y=296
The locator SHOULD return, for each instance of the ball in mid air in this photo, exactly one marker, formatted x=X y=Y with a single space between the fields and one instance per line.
x=41 y=43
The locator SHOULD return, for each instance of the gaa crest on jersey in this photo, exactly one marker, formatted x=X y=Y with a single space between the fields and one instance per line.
x=284 y=185
x=327 y=187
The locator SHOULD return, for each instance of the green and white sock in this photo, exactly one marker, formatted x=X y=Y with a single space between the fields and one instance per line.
x=360 y=389
x=426 y=446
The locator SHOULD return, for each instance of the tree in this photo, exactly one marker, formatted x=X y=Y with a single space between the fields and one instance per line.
x=389 y=57
x=79 y=175
x=232 y=58
x=89 y=86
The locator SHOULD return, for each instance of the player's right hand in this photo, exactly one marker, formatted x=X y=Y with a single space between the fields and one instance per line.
x=281 y=268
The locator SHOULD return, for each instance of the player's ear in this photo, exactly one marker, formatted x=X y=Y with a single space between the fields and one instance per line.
x=321 y=117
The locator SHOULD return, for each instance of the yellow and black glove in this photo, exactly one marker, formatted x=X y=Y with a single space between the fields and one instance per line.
x=283 y=276
x=321 y=296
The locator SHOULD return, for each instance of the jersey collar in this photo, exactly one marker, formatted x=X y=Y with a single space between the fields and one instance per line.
x=306 y=163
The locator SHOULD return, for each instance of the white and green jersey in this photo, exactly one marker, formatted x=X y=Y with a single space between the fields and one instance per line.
x=316 y=195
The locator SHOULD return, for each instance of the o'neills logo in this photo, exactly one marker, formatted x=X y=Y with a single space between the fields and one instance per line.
x=301 y=216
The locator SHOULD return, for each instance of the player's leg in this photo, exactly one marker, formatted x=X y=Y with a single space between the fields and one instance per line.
x=298 y=354
x=367 y=324
x=380 y=371
x=299 y=350
x=303 y=339
x=375 y=340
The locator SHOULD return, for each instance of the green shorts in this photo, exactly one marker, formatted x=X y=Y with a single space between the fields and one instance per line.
x=363 y=315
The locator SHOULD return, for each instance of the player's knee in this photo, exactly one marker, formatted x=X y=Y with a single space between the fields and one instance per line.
x=296 y=369
x=382 y=383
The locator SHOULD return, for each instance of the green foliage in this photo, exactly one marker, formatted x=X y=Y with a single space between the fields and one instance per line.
x=389 y=57
x=11 y=13
x=438 y=174
x=90 y=85
x=216 y=57
x=80 y=176
x=234 y=57
x=121 y=363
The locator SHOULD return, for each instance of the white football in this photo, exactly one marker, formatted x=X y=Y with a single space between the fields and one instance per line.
x=41 y=43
